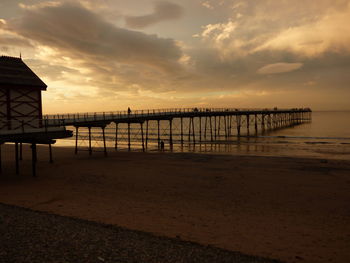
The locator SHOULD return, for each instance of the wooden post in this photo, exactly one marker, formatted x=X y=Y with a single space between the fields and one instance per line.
x=50 y=153
x=238 y=124
x=215 y=130
x=256 y=124
x=16 y=157
x=225 y=122
x=200 y=129
x=20 y=152
x=219 y=126
x=248 y=122
x=205 y=128
x=182 y=130
x=158 y=134
x=143 y=144
x=0 y=159
x=171 y=133
x=189 y=129
x=146 y=134
x=104 y=141
x=262 y=122
x=229 y=125
x=34 y=157
x=211 y=129
x=116 y=136
x=129 y=143
x=193 y=131
x=90 y=148
x=76 y=139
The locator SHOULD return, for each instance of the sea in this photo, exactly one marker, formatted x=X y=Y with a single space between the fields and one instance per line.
x=326 y=136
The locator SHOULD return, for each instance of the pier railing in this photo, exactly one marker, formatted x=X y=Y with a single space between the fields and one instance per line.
x=71 y=118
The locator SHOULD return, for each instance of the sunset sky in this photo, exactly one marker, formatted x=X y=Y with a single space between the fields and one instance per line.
x=105 y=55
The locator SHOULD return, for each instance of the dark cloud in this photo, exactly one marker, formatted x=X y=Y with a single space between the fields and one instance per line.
x=11 y=42
x=76 y=31
x=162 y=11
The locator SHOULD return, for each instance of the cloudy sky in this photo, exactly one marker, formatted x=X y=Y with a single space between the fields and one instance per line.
x=104 y=55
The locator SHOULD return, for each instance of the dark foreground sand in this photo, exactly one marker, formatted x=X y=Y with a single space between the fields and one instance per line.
x=295 y=210
x=29 y=236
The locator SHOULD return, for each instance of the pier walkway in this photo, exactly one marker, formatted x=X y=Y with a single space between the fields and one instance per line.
x=198 y=123
x=192 y=125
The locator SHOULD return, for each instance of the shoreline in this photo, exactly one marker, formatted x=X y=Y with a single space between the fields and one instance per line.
x=277 y=207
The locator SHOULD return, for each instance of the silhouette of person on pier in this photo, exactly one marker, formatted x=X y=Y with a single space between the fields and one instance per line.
x=162 y=146
x=129 y=111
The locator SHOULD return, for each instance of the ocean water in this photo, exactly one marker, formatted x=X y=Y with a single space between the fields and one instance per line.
x=326 y=136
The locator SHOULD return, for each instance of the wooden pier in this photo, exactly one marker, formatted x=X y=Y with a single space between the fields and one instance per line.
x=190 y=125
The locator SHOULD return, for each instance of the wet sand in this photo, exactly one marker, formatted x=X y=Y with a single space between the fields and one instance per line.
x=291 y=209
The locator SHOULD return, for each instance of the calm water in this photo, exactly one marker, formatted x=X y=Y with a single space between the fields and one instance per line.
x=327 y=136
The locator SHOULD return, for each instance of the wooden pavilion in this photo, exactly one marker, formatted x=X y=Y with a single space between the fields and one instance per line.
x=21 y=109
x=20 y=95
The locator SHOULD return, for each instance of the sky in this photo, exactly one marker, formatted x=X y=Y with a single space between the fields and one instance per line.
x=107 y=55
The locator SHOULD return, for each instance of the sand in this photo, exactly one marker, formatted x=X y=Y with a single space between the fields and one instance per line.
x=291 y=209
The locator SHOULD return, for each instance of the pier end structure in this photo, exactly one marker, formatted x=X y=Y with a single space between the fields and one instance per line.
x=21 y=109
x=20 y=95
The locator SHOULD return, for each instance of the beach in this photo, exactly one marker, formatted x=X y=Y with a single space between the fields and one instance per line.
x=286 y=208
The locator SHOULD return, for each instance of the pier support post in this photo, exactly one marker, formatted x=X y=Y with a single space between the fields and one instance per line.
x=34 y=158
x=104 y=141
x=76 y=140
x=200 y=129
x=171 y=133
x=238 y=123
x=16 y=158
x=143 y=144
x=248 y=122
x=0 y=159
x=211 y=129
x=262 y=123
x=189 y=129
x=50 y=153
x=116 y=136
x=205 y=127
x=90 y=147
x=182 y=130
x=146 y=134
x=219 y=126
x=20 y=151
x=225 y=126
x=158 y=133
x=129 y=143
x=215 y=130
x=256 y=124
x=193 y=131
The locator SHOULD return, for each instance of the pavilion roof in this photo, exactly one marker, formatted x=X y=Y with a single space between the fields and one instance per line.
x=15 y=73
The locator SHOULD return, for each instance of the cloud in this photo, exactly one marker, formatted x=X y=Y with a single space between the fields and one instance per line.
x=162 y=11
x=329 y=33
x=308 y=28
x=279 y=68
x=77 y=32
x=12 y=40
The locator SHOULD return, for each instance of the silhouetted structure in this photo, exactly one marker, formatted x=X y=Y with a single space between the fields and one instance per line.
x=21 y=109
x=20 y=94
